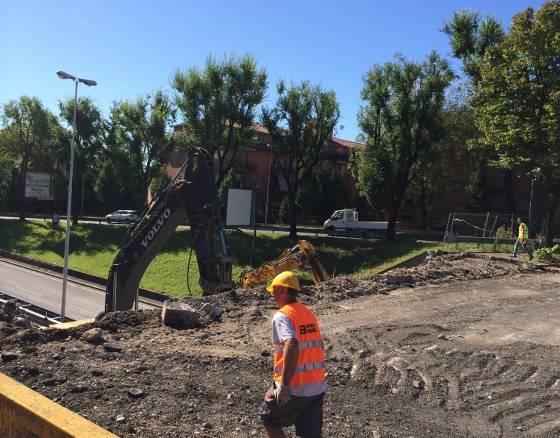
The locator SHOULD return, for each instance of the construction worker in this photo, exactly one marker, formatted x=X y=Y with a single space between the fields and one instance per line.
x=296 y=395
x=522 y=237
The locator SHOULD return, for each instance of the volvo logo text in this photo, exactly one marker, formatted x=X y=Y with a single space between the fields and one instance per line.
x=155 y=229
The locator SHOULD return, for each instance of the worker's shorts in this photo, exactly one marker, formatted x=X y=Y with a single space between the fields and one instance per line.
x=306 y=413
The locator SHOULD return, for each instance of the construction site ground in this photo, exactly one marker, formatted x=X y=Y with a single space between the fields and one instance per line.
x=459 y=346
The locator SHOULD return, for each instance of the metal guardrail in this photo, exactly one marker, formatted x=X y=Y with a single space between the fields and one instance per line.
x=30 y=311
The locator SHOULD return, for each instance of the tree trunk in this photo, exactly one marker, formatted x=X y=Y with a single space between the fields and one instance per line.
x=21 y=191
x=423 y=206
x=550 y=217
x=508 y=191
x=293 y=217
x=394 y=211
x=391 y=226
x=75 y=207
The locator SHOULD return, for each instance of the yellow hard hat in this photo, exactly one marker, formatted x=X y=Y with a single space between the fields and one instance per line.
x=287 y=279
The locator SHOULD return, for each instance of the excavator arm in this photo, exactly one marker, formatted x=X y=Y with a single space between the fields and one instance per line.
x=302 y=256
x=194 y=197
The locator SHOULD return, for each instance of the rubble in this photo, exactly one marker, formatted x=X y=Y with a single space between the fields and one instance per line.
x=438 y=268
x=179 y=315
x=93 y=336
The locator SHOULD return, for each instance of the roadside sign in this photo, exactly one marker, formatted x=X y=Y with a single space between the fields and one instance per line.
x=239 y=208
x=38 y=185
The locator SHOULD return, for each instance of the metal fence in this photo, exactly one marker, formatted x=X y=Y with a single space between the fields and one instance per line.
x=491 y=226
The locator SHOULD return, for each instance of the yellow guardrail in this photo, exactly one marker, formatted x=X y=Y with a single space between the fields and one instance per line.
x=25 y=413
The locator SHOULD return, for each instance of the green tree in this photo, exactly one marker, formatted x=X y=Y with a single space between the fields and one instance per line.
x=469 y=180
x=517 y=106
x=90 y=127
x=27 y=126
x=109 y=188
x=7 y=165
x=401 y=122
x=218 y=106
x=470 y=37
x=326 y=190
x=300 y=123
x=139 y=141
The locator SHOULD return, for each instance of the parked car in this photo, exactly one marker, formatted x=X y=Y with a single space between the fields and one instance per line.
x=120 y=216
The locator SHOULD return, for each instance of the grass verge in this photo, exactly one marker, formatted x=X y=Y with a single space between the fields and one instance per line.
x=93 y=248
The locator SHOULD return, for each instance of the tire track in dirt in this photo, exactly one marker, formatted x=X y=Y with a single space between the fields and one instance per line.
x=409 y=363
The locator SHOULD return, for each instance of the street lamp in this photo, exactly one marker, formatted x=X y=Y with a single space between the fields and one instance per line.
x=268 y=183
x=89 y=83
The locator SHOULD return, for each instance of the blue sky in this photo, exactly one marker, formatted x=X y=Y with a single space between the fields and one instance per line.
x=133 y=47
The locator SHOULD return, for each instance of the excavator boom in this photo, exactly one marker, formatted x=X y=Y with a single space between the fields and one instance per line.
x=194 y=197
x=302 y=256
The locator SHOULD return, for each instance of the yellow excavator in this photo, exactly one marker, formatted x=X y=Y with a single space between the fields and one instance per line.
x=302 y=256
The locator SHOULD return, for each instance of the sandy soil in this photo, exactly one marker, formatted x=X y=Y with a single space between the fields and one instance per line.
x=459 y=346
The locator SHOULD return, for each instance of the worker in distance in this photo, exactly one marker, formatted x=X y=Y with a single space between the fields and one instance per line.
x=522 y=239
x=296 y=395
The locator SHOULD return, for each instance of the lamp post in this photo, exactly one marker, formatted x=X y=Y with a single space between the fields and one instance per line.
x=89 y=83
x=268 y=184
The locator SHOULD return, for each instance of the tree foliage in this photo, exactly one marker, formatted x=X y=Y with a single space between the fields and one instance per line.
x=518 y=99
x=7 y=166
x=401 y=121
x=470 y=37
x=300 y=123
x=90 y=127
x=27 y=126
x=218 y=106
x=326 y=190
x=139 y=141
x=90 y=130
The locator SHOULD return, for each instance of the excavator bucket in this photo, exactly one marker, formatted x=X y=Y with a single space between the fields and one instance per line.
x=316 y=269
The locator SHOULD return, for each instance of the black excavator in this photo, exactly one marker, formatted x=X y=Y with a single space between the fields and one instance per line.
x=191 y=194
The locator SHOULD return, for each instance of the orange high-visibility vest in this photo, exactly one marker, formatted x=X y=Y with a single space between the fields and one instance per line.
x=310 y=368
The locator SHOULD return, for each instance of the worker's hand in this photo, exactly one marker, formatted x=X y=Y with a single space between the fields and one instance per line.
x=523 y=241
x=282 y=394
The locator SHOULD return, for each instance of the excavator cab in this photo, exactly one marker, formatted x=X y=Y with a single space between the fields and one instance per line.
x=191 y=194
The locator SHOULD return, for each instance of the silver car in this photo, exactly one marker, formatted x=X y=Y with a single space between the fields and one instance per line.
x=121 y=216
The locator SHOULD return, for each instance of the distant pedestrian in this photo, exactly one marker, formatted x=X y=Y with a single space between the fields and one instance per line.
x=296 y=396
x=522 y=239
x=55 y=220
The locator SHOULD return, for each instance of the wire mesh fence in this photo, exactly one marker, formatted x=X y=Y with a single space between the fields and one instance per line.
x=491 y=226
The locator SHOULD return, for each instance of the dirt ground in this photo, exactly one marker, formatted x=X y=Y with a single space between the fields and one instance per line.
x=459 y=346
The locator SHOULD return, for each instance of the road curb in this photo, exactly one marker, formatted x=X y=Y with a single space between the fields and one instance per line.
x=26 y=413
x=144 y=293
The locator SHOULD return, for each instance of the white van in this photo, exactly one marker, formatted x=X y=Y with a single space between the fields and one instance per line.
x=347 y=220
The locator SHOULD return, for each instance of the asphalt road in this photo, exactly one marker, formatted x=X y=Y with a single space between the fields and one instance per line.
x=44 y=289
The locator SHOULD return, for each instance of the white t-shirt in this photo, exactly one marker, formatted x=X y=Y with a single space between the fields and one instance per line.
x=282 y=328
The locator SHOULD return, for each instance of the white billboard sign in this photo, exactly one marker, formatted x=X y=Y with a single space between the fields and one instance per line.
x=38 y=185
x=239 y=206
